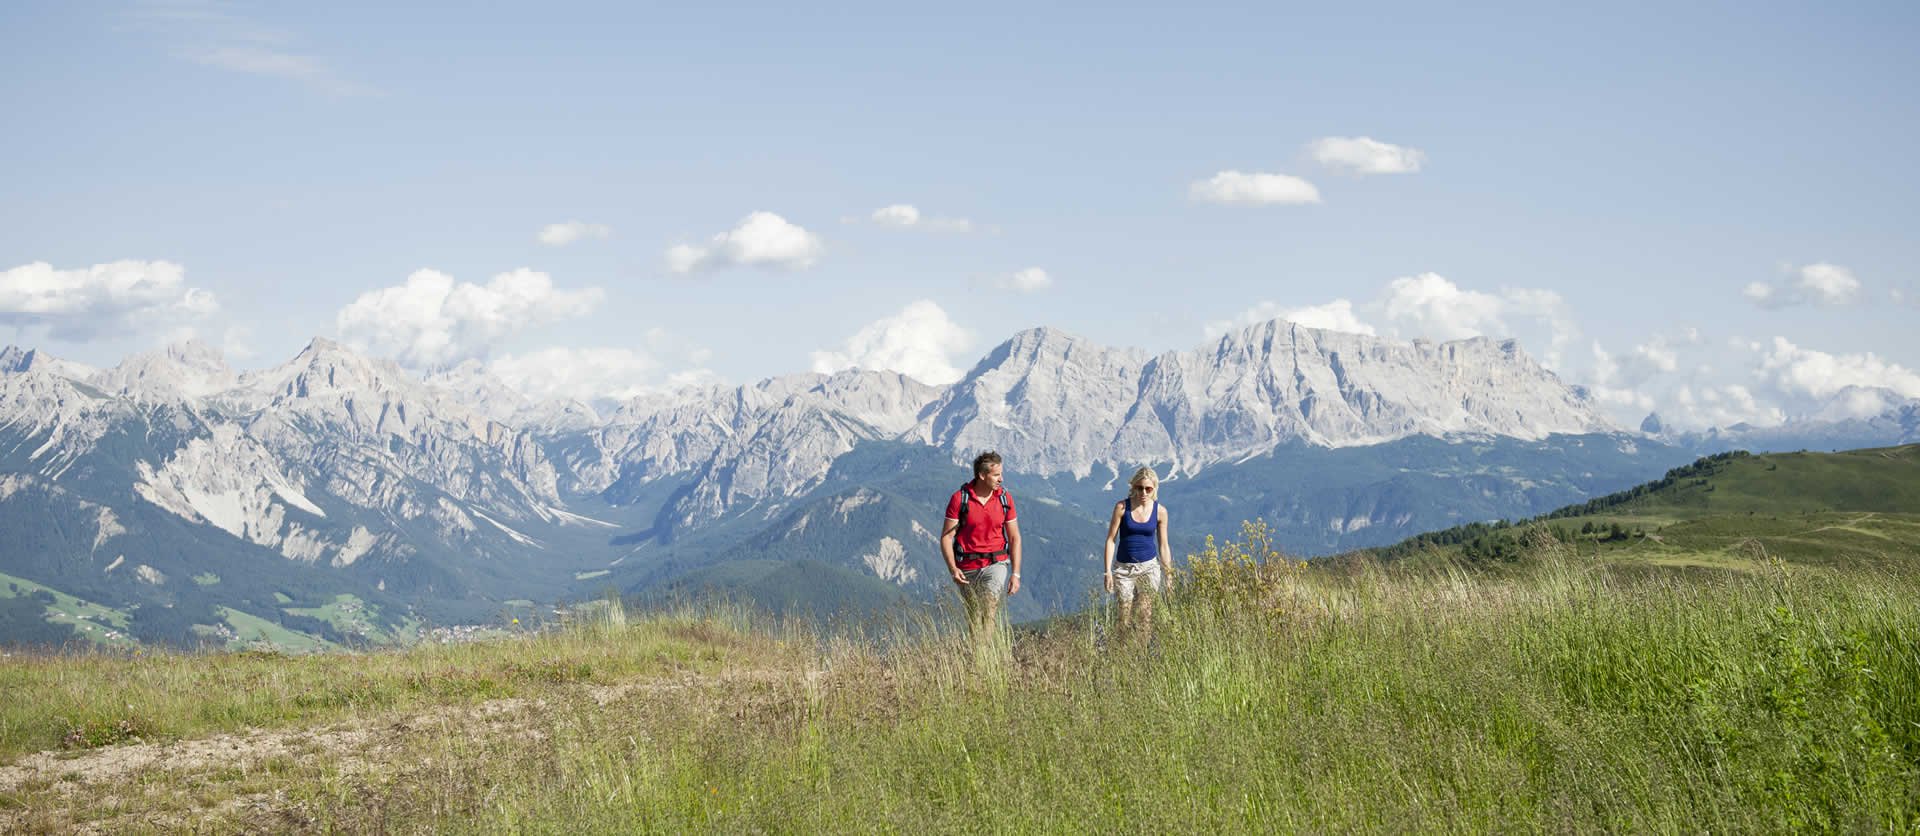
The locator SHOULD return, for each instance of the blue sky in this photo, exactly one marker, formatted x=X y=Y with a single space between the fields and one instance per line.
x=1705 y=210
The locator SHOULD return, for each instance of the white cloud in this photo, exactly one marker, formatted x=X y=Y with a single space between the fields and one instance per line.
x=562 y=234
x=582 y=374
x=117 y=296
x=763 y=239
x=1819 y=375
x=1364 y=155
x=209 y=35
x=237 y=343
x=1430 y=305
x=1336 y=315
x=1813 y=284
x=1256 y=189
x=1828 y=284
x=1622 y=402
x=906 y=216
x=920 y=341
x=431 y=320
x=1718 y=406
x=899 y=214
x=1657 y=355
x=1030 y=280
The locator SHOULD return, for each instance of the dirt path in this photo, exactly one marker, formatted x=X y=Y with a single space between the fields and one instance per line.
x=46 y=790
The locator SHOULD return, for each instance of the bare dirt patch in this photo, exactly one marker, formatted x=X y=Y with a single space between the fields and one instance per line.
x=177 y=784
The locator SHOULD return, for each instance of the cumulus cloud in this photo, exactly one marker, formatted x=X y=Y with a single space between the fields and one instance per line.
x=1337 y=315
x=1030 y=280
x=432 y=320
x=1819 y=375
x=907 y=216
x=562 y=234
x=582 y=374
x=1720 y=406
x=1254 y=189
x=920 y=342
x=763 y=239
x=899 y=214
x=105 y=298
x=1430 y=305
x=1365 y=155
x=1812 y=284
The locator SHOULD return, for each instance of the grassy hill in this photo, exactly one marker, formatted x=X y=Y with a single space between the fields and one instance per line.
x=1730 y=511
x=1277 y=696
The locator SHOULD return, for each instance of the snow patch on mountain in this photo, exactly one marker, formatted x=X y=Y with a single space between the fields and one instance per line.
x=106 y=526
x=922 y=532
x=359 y=543
x=889 y=562
x=854 y=501
x=522 y=539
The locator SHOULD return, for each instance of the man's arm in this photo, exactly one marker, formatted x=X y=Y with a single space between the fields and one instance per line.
x=1013 y=550
x=947 y=533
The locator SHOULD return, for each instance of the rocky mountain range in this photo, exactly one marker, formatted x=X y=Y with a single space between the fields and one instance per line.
x=191 y=498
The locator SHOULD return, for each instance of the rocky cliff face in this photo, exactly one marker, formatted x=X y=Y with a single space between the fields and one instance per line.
x=775 y=438
x=1058 y=404
x=261 y=455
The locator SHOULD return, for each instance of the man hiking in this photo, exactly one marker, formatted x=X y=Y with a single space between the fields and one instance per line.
x=981 y=543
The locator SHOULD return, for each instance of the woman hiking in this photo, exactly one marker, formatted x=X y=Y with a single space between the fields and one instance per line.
x=1139 y=564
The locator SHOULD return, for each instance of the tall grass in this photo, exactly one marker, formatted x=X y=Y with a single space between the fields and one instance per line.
x=1557 y=695
x=85 y=700
x=1554 y=697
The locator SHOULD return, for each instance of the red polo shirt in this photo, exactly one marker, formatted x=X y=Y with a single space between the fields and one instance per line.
x=984 y=530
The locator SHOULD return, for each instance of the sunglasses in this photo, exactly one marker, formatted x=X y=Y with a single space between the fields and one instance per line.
x=1143 y=488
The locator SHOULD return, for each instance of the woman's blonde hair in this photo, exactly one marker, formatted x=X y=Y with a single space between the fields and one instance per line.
x=1144 y=474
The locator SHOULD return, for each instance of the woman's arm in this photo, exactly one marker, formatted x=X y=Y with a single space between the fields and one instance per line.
x=1166 y=554
x=1113 y=530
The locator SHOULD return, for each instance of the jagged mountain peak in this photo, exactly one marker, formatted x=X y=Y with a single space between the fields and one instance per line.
x=17 y=360
x=1035 y=346
x=14 y=359
x=177 y=372
x=470 y=384
x=328 y=368
x=192 y=352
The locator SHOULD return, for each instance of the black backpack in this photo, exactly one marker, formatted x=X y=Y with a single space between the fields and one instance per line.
x=1006 y=510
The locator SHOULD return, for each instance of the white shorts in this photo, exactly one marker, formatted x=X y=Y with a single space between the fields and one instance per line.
x=1131 y=577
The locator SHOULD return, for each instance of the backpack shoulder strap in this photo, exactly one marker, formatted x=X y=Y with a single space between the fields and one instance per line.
x=961 y=524
x=1006 y=510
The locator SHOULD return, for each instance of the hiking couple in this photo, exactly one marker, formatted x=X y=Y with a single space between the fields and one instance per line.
x=981 y=544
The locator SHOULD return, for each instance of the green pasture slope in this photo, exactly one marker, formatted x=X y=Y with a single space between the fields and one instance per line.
x=1858 y=508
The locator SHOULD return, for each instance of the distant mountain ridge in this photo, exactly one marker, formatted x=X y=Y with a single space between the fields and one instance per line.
x=1058 y=403
x=443 y=495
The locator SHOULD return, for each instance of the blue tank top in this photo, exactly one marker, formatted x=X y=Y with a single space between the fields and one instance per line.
x=1139 y=541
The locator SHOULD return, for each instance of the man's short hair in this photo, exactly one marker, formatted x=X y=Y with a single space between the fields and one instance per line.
x=984 y=461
